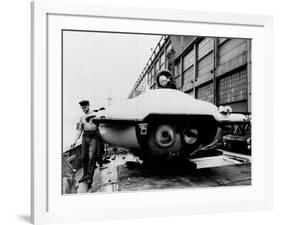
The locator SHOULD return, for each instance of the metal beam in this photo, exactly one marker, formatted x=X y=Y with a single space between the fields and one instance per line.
x=195 y=67
x=249 y=75
x=216 y=56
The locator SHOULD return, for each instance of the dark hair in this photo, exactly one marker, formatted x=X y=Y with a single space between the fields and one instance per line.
x=167 y=74
x=84 y=103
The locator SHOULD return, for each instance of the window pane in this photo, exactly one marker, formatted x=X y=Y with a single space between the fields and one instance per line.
x=206 y=93
x=233 y=87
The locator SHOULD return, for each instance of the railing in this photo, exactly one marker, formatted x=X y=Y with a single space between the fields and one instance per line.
x=149 y=62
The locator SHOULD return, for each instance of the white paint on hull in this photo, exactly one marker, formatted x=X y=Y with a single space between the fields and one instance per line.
x=119 y=135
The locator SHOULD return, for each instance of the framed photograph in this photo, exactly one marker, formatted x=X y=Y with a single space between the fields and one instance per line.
x=140 y=112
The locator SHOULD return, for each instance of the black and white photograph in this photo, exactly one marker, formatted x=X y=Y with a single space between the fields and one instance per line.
x=148 y=112
x=140 y=112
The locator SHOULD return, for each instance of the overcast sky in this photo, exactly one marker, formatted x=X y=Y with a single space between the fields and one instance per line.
x=97 y=66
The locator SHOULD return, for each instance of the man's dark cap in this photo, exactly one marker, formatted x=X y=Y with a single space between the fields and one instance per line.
x=84 y=103
x=165 y=72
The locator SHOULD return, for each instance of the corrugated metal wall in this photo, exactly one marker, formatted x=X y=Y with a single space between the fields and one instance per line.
x=233 y=75
x=224 y=63
x=232 y=54
x=216 y=70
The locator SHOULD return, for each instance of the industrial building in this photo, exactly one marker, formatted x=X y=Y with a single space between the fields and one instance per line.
x=217 y=70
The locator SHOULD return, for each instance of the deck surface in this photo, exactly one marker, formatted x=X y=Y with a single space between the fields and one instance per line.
x=117 y=176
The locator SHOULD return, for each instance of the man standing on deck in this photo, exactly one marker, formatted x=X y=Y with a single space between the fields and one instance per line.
x=90 y=142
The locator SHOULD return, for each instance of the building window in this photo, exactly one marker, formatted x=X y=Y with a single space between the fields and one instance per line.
x=188 y=77
x=188 y=70
x=233 y=88
x=206 y=93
